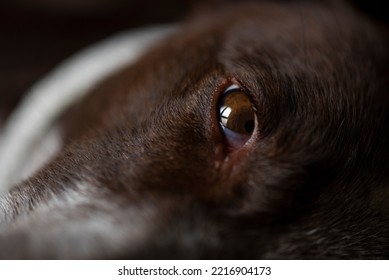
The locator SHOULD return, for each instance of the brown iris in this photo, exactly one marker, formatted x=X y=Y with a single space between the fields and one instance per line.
x=237 y=115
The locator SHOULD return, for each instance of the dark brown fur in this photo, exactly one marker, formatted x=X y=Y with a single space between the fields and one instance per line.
x=146 y=146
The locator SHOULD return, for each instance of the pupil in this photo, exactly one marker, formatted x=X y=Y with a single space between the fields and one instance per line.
x=249 y=126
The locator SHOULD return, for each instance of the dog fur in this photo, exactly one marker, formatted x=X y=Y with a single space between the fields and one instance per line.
x=145 y=172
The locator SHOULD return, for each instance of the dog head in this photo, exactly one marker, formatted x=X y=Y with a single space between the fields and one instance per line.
x=259 y=132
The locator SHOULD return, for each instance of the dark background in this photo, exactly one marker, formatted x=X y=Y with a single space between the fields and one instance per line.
x=35 y=35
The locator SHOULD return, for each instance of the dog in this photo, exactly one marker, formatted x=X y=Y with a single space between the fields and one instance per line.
x=259 y=131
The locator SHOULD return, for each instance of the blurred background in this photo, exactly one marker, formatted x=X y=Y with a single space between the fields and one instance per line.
x=35 y=35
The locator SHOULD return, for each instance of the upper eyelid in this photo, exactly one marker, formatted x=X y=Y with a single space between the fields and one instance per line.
x=249 y=84
x=232 y=87
x=235 y=84
x=253 y=91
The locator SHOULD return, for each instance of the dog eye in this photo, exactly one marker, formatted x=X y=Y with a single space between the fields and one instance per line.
x=237 y=116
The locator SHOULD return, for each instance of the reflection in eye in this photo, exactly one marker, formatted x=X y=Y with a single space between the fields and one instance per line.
x=237 y=116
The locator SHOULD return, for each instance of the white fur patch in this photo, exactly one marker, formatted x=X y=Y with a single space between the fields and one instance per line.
x=82 y=221
x=31 y=121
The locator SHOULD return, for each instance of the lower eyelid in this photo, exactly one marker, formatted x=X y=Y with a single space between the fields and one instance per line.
x=235 y=140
